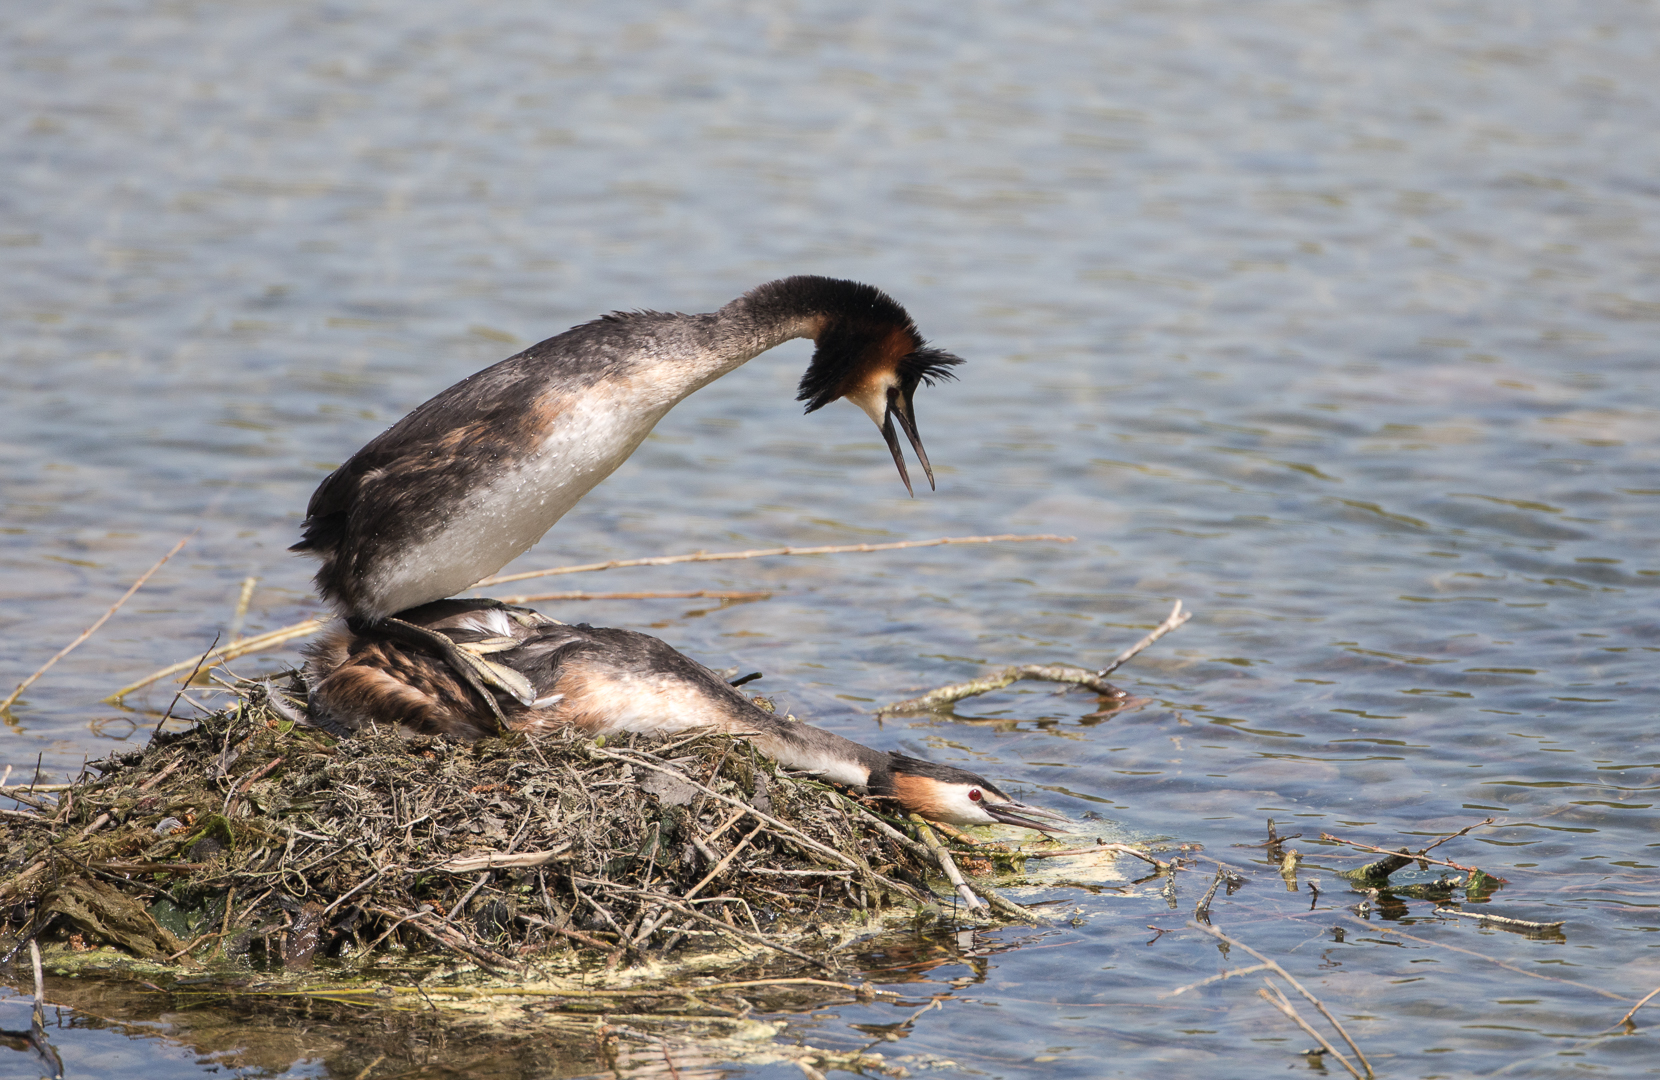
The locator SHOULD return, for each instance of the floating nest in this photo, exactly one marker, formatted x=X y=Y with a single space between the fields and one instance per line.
x=252 y=843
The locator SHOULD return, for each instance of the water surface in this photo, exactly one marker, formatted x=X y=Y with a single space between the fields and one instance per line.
x=1333 y=319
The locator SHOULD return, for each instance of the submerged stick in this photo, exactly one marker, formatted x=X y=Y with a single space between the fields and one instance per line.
x=37 y=1021
x=1288 y=977
x=1483 y=956
x=1277 y=999
x=93 y=629
x=935 y=700
x=756 y=553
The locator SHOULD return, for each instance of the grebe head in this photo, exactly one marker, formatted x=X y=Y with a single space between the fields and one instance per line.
x=946 y=793
x=870 y=352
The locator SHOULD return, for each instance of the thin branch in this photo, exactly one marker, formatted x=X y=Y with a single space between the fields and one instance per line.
x=947 y=865
x=999 y=903
x=1502 y=920
x=1176 y=617
x=1460 y=832
x=1288 y=977
x=256 y=644
x=1408 y=855
x=93 y=629
x=1275 y=998
x=1214 y=978
x=756 y=553
x=935 y=700
x=271 y=639
x=1626 y=1019
x=690 y=594
x=724 y=863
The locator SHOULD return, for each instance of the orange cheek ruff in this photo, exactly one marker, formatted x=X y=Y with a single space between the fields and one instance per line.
x=922 y=796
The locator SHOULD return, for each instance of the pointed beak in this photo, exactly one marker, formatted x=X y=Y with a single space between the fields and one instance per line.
x=899 y=408
x=898 y=455
x=1027 y=817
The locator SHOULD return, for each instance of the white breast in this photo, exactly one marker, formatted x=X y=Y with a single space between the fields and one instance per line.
x=592 y=435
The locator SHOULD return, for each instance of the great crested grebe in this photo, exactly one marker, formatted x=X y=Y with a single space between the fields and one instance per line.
x=607 y=681
x=470 y=480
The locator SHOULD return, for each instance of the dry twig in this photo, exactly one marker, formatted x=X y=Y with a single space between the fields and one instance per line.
x=1648 y=997
x=757 y=553
x=947 y=865
x=93 y=629
x=692 y=594
x=935 y=700
x=256 y=644
x=1329 y=838
x=306 y=627
x=1502 y=920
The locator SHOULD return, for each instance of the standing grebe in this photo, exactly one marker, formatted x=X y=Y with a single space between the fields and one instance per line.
x=606 y=681
x=472 y=479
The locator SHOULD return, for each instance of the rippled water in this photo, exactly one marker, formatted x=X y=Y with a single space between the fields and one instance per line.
x=1333 y=319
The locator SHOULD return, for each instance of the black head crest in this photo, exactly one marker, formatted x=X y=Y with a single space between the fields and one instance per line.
x=861 y=328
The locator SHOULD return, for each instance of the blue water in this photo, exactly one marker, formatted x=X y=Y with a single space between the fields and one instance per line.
x=1334 y=320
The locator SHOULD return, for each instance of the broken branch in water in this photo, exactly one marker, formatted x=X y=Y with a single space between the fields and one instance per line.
x=1312 y=1000
x=1626 y=1019
x=1176 y=617
x=1460 y=832
x=1501 y=920
x=935 y=700
x=1395 y=856
x=93 y=629
x=1276 y=998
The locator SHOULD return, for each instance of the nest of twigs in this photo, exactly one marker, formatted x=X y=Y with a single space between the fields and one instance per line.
x=257 y=843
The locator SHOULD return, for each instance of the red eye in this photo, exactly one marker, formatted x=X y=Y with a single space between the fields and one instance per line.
x=974 y=794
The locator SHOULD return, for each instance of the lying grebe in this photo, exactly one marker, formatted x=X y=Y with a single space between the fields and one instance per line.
x=472 y=479
x=604 y=682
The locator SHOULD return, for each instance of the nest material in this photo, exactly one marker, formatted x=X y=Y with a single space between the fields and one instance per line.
x=255 y=842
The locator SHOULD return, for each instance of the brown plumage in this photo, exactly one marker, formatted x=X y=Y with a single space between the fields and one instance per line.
x=474 y=477
x=606 y=681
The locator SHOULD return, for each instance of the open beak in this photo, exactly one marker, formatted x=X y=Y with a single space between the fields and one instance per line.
x=1027 y=817
x=899 y=408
